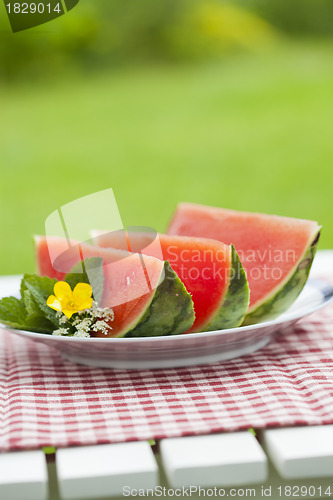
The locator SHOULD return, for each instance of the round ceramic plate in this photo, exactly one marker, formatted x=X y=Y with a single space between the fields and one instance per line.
x=177 y=350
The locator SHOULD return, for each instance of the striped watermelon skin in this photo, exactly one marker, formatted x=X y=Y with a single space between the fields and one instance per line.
x=236 y=300
x=288 y=293
x=162 y=306
x=276 y=252
x=211 y=272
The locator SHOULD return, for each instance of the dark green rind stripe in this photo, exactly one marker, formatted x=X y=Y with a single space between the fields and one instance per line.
x=289 y=292
x=170 y=312
x=236 y=302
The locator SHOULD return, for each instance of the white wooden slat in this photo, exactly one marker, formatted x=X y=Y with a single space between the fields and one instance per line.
x=301 y=452
x=104 y=470
x=23 y=475
x=229 y=459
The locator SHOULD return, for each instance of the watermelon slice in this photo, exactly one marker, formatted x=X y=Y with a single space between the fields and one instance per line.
x=276 y=252
x=147 y=297
x=210 y=271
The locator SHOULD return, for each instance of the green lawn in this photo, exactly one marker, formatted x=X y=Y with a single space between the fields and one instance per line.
x=253 y=132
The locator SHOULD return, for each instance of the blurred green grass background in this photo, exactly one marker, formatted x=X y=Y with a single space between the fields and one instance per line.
x=250 y=131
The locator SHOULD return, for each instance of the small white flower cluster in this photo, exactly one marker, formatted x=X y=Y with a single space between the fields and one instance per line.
x=60 y=331
x=95 y=319
x=62 y=318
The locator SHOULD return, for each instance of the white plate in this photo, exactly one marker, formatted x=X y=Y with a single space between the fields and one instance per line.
x=175 y=350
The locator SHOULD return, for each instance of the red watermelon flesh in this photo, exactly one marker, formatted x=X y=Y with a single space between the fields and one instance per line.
x=128 y=287
x=203 y=266
x=270 y=247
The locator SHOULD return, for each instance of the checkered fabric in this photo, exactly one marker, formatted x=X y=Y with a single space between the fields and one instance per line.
x=46 y=401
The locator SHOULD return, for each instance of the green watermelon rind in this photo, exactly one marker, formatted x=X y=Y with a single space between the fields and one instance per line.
x=236 y=300
x=170 y=311
x=288 y=293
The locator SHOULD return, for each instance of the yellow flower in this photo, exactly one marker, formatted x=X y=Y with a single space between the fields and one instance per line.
x=68 y=301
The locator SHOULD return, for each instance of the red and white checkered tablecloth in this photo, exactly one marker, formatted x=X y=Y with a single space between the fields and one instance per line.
x=45 y=401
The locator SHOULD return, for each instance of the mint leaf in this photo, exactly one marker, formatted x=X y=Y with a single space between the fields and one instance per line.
x=93 y=274
x=76 y=276
x=35 y=317
x=31 y=306
x=32 y=313
x=12 y=312
x=94 y=269
x=41 y=288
